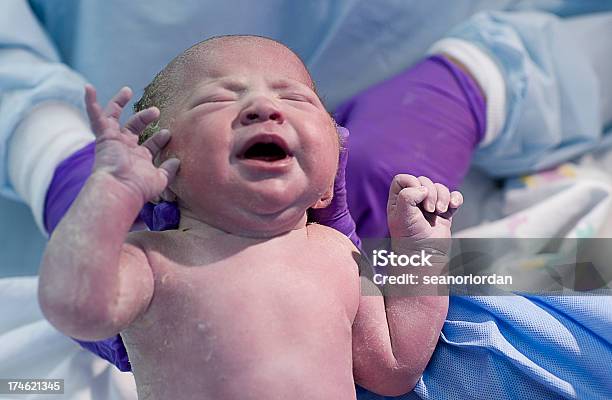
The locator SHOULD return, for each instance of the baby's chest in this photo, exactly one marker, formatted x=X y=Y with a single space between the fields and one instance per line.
x=255 y=284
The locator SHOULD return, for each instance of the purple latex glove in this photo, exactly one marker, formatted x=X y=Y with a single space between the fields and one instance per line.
x=68 y=179
x=161 y=217
x=426 y=121
x=337 y=214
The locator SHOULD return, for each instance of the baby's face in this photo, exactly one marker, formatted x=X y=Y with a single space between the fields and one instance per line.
x=257 y=147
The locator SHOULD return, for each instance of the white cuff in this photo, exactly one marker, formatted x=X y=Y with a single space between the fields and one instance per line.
x=486 y=73
x=52 y=132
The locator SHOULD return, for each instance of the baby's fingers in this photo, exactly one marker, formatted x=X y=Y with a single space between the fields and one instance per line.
x=402 y=181
x=166 y=172
x=443 y=198
x=114 y=108
x=94 y=111
x=411 y=197
x=406 y=212
x=139 y=121
x=429 y=204
x=157 y=142
x=456 y=200
x=169 y=168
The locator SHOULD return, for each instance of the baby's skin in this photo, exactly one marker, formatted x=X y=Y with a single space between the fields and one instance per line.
x=245 y=300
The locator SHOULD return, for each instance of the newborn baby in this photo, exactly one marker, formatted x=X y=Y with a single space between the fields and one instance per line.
x=244 y=299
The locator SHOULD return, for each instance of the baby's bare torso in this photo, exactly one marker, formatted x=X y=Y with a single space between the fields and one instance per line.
x=236 y=318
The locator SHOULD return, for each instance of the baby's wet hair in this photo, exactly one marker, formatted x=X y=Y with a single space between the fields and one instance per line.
x=165 y=86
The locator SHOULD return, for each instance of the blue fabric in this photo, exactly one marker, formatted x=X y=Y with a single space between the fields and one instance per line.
x=521 y=348
x=553 y=100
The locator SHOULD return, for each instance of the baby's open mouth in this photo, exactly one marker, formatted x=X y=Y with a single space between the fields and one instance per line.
x=265 y=147
x=265 y=152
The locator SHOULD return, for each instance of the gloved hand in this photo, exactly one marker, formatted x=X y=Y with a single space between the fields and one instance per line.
x=337 y=215
x=162 y=216
x=68 y=179
x=426 y=121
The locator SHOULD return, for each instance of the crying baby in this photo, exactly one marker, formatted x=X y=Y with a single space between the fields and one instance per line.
x=245 y=299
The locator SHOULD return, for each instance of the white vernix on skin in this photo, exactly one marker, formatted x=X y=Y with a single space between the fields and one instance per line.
x=52 y=132
x=487 y=74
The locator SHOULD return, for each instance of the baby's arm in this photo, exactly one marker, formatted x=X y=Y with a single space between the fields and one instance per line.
x=395 y=335
x=92 y=282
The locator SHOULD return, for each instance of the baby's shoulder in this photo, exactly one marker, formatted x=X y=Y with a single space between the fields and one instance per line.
x=335 y=248
x=330 y=237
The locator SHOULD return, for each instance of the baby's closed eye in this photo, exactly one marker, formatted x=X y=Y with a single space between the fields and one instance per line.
x=294 y=97
x=298 y=98
x=218 y=98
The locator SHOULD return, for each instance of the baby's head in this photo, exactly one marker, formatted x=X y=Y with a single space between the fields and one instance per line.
x=256 y=145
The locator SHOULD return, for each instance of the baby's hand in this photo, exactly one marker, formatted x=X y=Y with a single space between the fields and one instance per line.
x=420 y=209
x=117 y=149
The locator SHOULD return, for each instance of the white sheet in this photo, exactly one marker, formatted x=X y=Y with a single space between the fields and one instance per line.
x=32 y=348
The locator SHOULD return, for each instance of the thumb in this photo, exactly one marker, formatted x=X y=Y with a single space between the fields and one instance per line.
x=405 y=217
x=409 y=199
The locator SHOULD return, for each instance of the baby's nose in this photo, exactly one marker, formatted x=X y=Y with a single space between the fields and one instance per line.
x=261 y=110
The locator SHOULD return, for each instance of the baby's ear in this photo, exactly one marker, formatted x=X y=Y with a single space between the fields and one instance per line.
x=325 y=199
